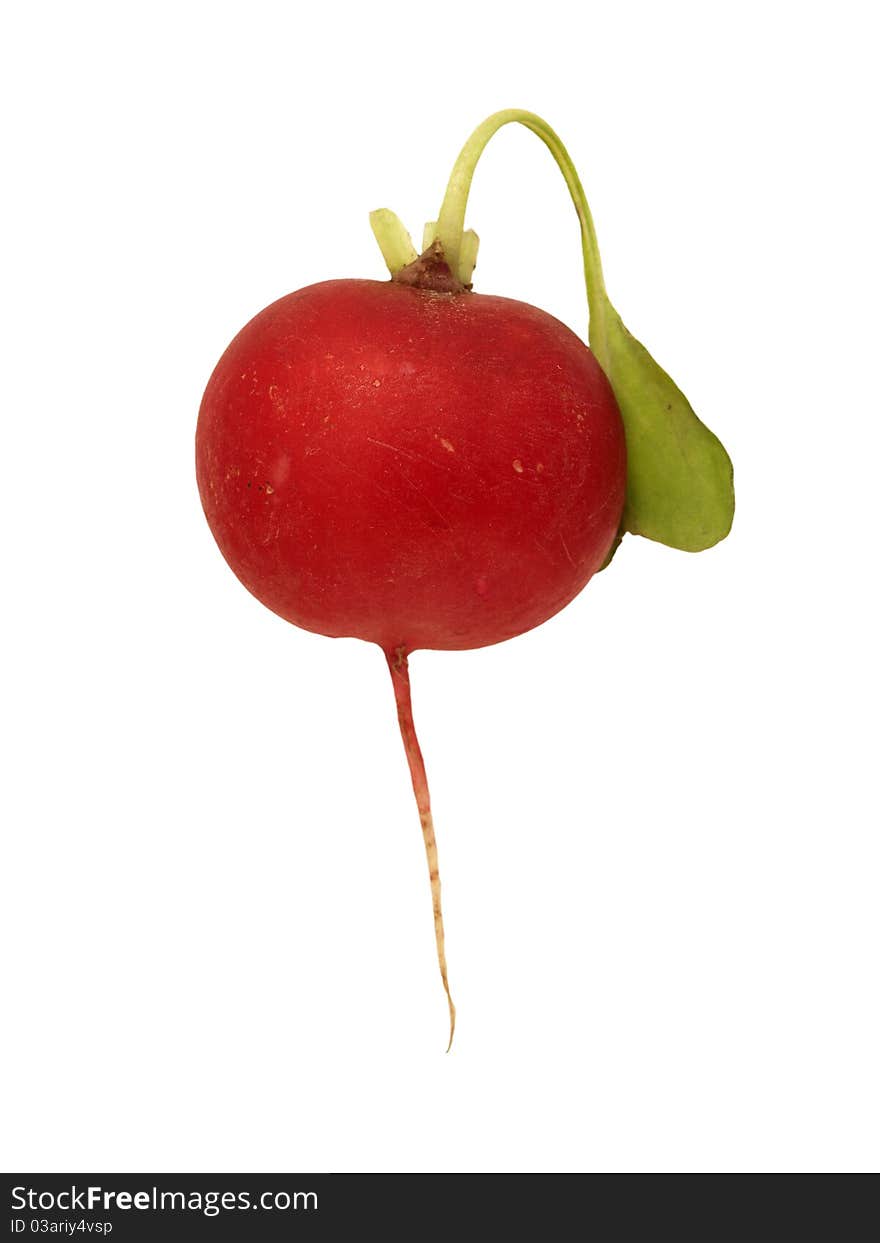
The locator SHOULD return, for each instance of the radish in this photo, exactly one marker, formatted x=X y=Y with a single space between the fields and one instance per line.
x=420 y=466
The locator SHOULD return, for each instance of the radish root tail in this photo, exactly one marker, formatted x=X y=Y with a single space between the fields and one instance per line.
x=399 y=667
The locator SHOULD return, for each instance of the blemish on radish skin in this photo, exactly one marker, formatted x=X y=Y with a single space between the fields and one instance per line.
x=518 y=466
x=280 y=470
x=447 y=445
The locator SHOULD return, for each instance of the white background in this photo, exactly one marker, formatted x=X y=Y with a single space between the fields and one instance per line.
x=656 y=814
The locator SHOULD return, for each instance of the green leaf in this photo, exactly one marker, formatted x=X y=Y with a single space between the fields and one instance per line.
x=679 y=477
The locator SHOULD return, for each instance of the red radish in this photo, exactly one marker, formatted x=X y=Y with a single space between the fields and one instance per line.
x=412 y=468
x=418 y=469
x=412 y=464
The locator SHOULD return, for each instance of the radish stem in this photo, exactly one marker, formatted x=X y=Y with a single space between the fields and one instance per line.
x=399 y=668
x=394 y=241
x=449 y=228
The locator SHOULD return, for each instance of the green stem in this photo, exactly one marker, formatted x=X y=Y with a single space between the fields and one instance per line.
x=450 y=223
x=394 y=241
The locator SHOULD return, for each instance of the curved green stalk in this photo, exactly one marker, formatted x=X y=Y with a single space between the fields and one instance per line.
x=450 y=223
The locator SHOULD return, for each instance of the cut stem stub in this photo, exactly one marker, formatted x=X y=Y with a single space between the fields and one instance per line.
x=399 y=668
